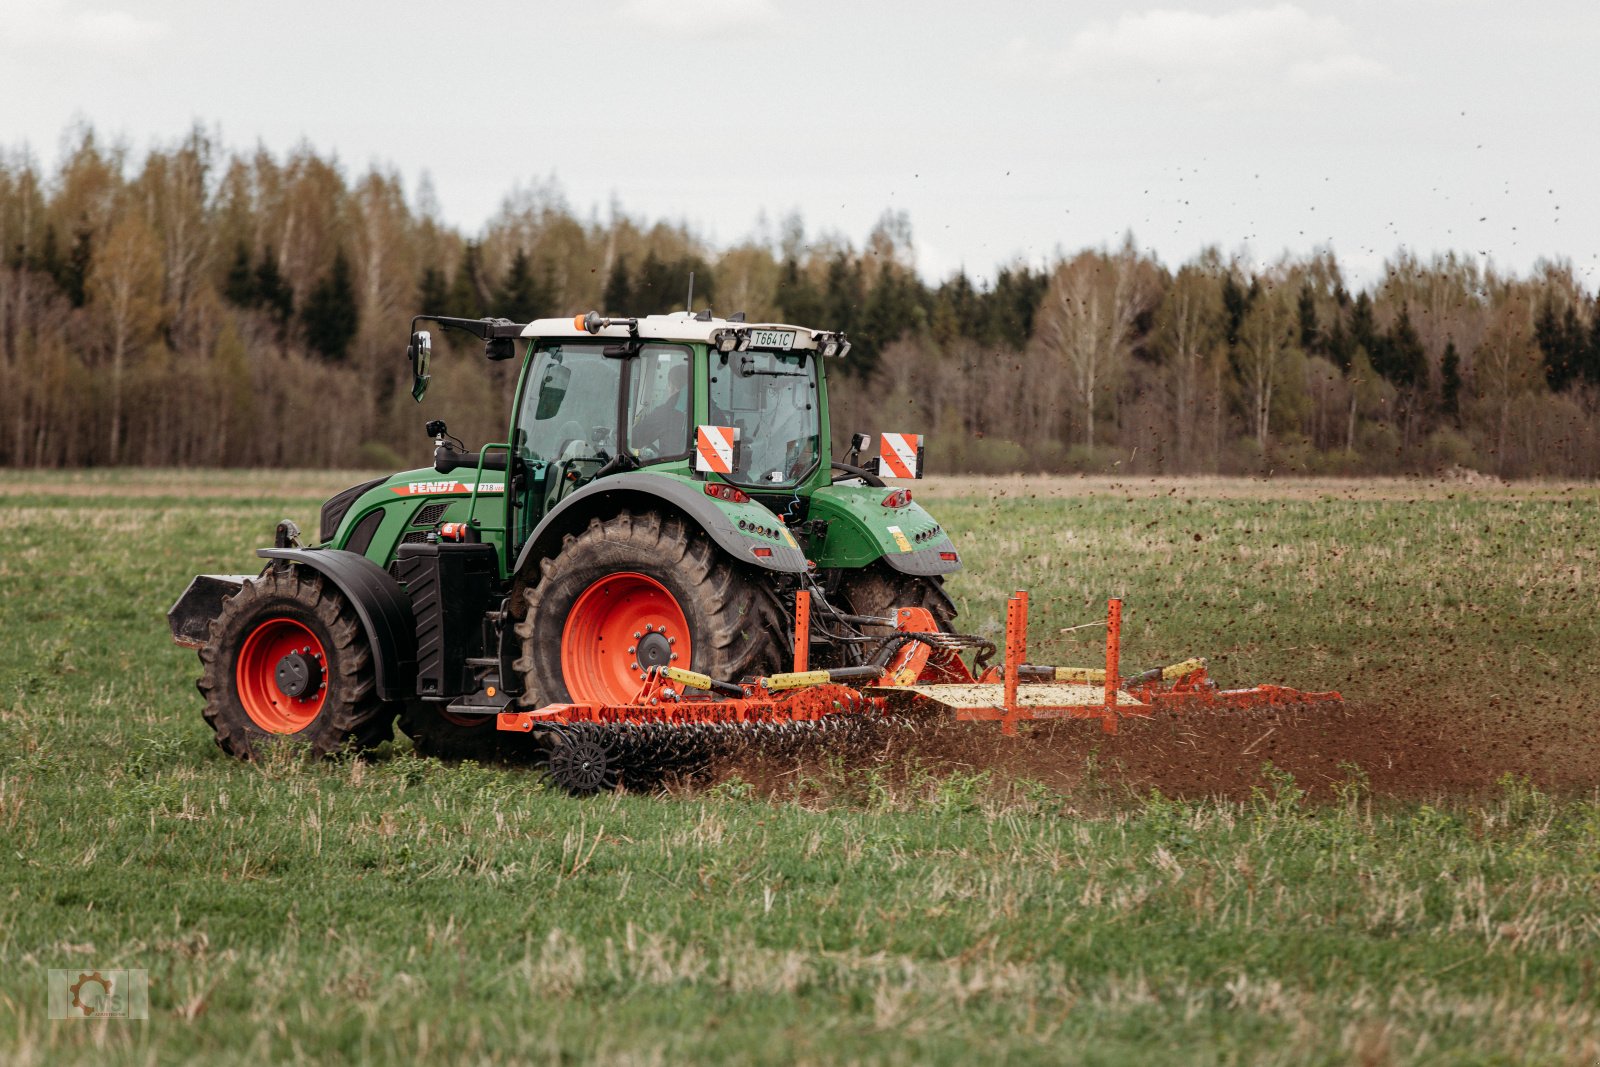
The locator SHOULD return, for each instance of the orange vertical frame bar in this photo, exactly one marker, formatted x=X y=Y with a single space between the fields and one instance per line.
x=1016 y=652
x=802 y=631
x=1108 y=720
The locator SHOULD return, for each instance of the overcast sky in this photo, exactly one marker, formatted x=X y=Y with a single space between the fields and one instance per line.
x=1004 y=130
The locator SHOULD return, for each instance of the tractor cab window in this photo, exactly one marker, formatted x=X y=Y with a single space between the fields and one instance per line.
x=658 y=403
x=569 y=407
x=772 y=398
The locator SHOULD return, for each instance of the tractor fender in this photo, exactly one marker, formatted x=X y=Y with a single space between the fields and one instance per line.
x=638 y=490
x=381 y=605
x=862 y=530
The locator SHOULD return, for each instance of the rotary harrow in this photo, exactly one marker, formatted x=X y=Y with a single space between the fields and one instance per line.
x=681 y=720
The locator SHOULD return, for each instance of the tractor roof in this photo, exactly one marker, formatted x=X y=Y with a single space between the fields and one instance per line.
x=677 y=326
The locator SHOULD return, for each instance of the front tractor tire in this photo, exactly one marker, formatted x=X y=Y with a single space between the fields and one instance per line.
x=637 y=591
x=287 y=661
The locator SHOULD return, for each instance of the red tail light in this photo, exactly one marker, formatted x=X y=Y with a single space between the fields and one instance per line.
x=762 y=552
x=897 y=499
x=727 y=492
x=950 y=557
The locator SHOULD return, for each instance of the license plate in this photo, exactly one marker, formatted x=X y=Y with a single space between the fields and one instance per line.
x=779 y=339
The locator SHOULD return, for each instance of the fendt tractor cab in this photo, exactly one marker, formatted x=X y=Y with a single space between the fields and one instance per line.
x=664 y=490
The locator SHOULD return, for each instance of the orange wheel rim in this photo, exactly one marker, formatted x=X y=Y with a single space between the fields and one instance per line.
x=621 y=626
x=281 y=676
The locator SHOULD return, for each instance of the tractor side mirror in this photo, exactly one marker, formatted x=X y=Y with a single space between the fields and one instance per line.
x=552 y=391
x=420 y=352
x=498 y=348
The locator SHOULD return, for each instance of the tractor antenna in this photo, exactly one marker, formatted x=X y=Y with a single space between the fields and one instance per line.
x=688 y=304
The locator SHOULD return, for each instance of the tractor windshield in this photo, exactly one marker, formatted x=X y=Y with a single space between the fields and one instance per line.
x=772 y=398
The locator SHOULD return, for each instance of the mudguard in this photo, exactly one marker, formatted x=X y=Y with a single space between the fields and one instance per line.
x=861 y=530
x=381 y=605
x=641 y=490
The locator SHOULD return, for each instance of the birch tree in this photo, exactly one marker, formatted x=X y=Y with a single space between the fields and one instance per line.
x=1265 y=353
x=1087 y=324
x=125 y=287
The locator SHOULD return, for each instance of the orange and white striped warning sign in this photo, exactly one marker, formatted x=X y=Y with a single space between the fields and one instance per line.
x=899 y=452
x=714 y=448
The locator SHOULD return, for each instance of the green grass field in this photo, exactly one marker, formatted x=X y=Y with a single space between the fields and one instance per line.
x=1418 y=883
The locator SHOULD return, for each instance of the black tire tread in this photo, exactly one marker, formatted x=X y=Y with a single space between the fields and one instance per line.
x=746 y=628
x=352 y=719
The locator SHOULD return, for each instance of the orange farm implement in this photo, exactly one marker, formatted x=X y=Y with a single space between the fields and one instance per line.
x=680 y=718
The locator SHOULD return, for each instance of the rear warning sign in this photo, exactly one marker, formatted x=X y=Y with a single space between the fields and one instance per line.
x=901 y=455
x=714 y=449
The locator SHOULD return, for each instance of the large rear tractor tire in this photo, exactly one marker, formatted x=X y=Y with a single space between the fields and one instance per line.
x=288 y=662
x=879 y=591
x=637 y=591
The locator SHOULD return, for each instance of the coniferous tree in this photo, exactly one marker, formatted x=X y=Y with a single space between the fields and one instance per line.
x=468 y=297
x=1407 y=362
x=273 y=293
x=1011 y=305
x=1591 y=358
x=1306 y=309
x=797 y=297
x=1450 y=382
x=521 y=296
x=1547 y=333
x=330 y=316
x=74 y=274
x=650 y=291
x=618 y=295
x=1563 y=348
x=1235 y=302
x=1364 y=334
x=433 y=291
x=240 y=285
x=1340 y=346
x=892 y=309
x=47 y=260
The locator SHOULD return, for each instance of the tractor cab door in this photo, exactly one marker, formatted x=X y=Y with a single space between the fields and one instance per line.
x=564 y=428
x=575 y=399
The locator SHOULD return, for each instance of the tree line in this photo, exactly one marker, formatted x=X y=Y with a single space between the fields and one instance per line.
x=198 y=306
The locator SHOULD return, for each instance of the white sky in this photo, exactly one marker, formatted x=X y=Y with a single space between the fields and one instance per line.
x=1005 y=130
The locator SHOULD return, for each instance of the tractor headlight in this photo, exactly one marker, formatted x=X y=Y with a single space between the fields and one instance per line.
x=744 y=341
x=726 y=340
x=829 y=348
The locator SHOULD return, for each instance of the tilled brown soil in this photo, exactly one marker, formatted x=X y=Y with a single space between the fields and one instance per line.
x=1404 y=748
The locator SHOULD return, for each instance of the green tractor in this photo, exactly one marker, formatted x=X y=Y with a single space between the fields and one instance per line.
x=664 y=490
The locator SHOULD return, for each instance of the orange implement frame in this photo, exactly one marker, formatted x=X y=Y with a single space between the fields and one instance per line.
x=1029 y=691
x=802 y=631
x=1018 y=704
x=934 y=672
